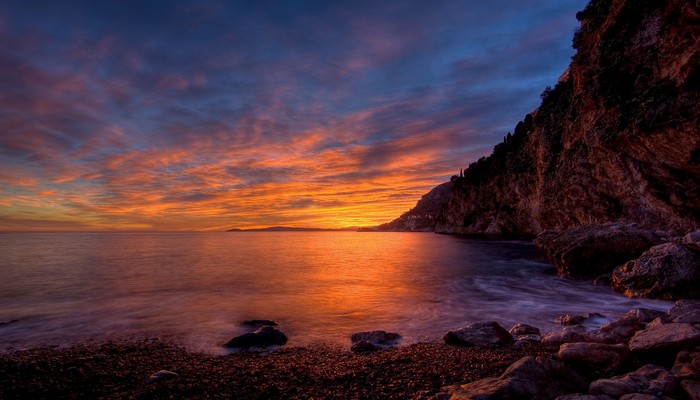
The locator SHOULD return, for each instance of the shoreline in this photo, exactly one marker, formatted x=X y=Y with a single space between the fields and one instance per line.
x=122 y=370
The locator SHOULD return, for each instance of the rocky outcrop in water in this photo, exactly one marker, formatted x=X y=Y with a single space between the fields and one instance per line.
x=615 y=140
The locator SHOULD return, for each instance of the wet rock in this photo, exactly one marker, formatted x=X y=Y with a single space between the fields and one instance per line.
x=665 y=338
x=522 y=340
x=644 y=314
x=161 y=375
x=687 y=365
x=639 y=396
x=576 y=319
x=569 y=334
x=692 y=389
x=376 y=337
x=659 y=321
x=668 y=271
x=624 y=326
x=649 y=379
x=681 y=307
x=259 y=323
x=592 y=250
x=480 y=334
x=523 y=329
x=263 y=337
x=597 y=356
x=364 y=342
x=363 y=346
x=602 y=280
x=528 y=378
x=691 y=317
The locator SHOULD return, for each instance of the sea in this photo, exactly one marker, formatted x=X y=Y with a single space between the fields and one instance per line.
x=61 y=289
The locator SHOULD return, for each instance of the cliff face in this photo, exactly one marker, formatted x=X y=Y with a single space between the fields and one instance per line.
x=424 y=215
x=617 y=139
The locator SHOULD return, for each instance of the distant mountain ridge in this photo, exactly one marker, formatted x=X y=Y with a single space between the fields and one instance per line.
x=617 y=139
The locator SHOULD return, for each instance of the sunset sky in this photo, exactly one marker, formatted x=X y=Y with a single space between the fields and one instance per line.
x=176 y=115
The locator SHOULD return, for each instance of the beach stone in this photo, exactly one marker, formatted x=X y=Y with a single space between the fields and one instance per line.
x=602 y=280
x=480 y=334
x=523 y=329
x=668 y=271
x=259 y=323
x=592 y=250
x=692 y=389
x=376 y=337
x=568 y=334
x=527 y=378
x=363 y=346
x=692 y=239
x=597 y=356
x=659 y=321
x=263 y=337
x=687 y=365
x=684 y=306
x=649 y=379
x=639 y=396
x=576 y=319
x=161 y=375
x=665 y=338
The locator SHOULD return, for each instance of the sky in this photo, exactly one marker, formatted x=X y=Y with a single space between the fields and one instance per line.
x=210 y=115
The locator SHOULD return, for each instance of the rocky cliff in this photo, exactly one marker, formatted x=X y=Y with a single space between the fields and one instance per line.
x=617 y=139
x=424 y=215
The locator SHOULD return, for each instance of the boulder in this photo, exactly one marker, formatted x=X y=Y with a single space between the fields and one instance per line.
x=668 y=271
x=364 y=342
x=665 y=338
x=579 y=396
x=523 y=329
x=687 y=365
x=639 y=396
x=691 y=317
x=528 y=378
x=649 y=379
x=591 y=250
x=692 y=389
x=263 y=337
x=480 y=334
x=595 y=356
x=643 y=314
x=624 y=326
x=259 y=323
x=684 y=306
x=568 y=334
x=692 y=239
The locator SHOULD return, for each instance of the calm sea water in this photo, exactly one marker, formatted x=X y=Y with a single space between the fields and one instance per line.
x=195 y=288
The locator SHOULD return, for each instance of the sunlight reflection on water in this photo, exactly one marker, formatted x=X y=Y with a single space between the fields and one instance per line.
x=320 y=286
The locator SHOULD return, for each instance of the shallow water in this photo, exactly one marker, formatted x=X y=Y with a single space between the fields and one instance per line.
x=195 y=288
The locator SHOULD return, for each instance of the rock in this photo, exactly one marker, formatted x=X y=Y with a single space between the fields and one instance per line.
x=363 y=346
x=692 y=389
x=659 y=321
x=681 y=307
x=263 y=337
x=592 y=250
x=364 y=342
x=566 y=335
x=639 y=396
x=578 y=396
x=528 y=339
x=480 y=334
x=624 y=326
x=259 y=323
x=649 y=379
x=523 y=329
x=687 y=365
x=643 y=314
x=692 y=239
x=528 y=378
x=602 y=280
x=668 y=271
x=597 y=356
x=576 y=319
x=691 y=317
x=376 y=337
x=161 y=375
x=665 y=338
